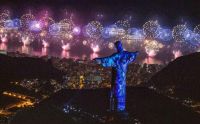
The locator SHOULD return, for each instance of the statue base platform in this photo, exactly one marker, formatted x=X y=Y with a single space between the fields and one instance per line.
x=119 y=116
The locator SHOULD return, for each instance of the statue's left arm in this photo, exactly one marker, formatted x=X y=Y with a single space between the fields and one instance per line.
x=132 y=56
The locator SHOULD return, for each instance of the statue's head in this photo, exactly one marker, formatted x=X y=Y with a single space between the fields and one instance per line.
x=118 y=45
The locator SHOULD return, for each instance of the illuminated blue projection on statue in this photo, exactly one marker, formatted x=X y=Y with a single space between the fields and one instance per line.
x=119 y=62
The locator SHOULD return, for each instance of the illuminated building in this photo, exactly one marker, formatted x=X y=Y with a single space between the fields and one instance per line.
x=82 y=79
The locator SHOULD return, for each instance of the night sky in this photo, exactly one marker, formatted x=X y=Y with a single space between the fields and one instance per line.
x=168 y=12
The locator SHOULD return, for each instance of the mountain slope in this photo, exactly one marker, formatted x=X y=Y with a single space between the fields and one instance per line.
x=182 y=77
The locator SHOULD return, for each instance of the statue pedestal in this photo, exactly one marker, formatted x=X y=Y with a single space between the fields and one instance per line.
x=118 y=116
x=123 y=115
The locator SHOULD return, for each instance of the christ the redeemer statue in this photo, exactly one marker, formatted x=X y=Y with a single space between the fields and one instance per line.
x=119 y=62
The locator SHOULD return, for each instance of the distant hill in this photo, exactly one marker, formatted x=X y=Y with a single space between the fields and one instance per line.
x=42 y=115
x=18 y=68
x=182 y=77
x=142 y=104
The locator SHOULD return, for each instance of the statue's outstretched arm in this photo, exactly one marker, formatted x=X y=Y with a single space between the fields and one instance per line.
x=106 y=61
x=132 y=56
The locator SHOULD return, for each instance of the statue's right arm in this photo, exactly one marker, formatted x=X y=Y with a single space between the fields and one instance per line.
x=97 y=60
x=106 y=61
